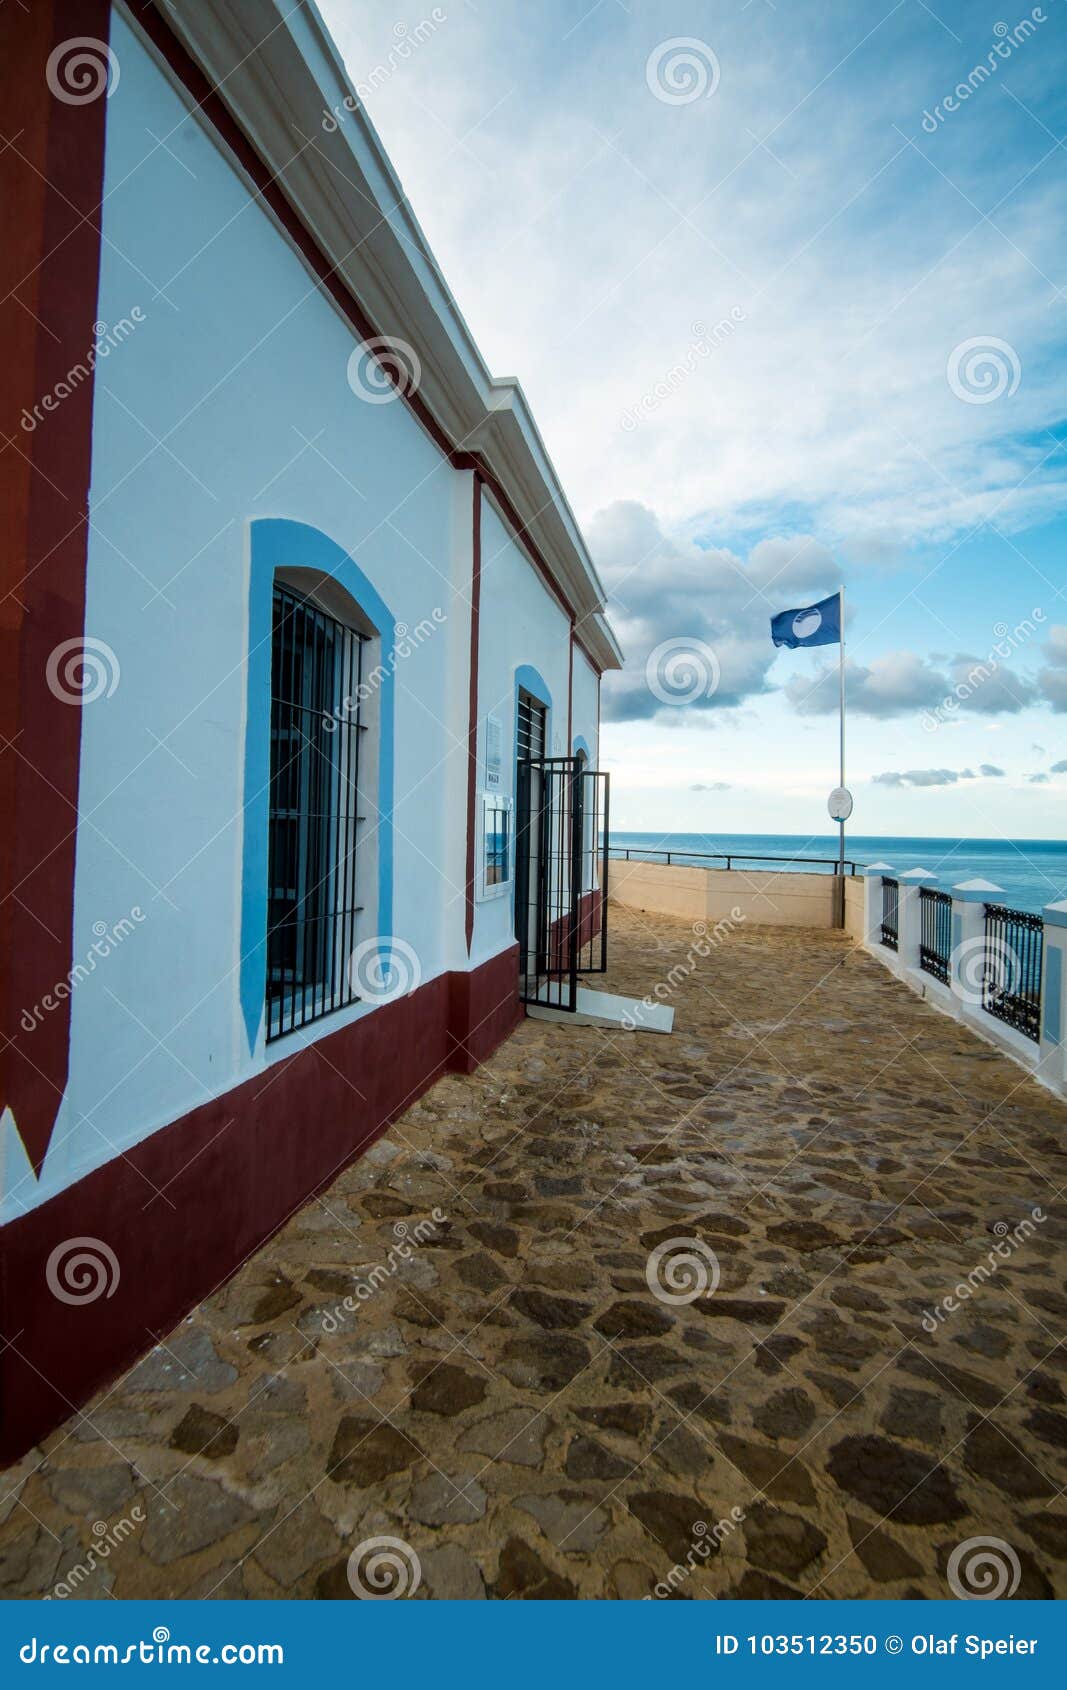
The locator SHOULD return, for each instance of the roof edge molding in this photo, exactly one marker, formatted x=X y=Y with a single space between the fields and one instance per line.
x=278 y=71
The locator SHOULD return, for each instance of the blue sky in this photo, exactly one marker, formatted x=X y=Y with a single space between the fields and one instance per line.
x=791 y=312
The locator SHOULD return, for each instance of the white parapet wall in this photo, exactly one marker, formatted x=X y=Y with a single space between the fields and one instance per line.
x=771 y=897
x=989 y=966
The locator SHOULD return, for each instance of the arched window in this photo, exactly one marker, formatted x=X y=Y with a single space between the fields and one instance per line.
x=317 y=892
x=321 y=751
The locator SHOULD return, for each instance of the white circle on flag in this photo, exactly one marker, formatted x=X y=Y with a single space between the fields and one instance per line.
x=839 y=804
x=807 y=622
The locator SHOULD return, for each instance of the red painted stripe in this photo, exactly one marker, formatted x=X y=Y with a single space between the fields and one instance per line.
x=181 y=1211
x=472 y=726
x=52 y=178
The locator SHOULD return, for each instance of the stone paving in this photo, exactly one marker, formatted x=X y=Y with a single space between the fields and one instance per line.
x=468 y=1344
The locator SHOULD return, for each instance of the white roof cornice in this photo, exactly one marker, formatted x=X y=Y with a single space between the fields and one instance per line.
x=278 y=71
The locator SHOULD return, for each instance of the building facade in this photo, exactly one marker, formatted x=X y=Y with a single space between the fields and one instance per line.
x=290 y=584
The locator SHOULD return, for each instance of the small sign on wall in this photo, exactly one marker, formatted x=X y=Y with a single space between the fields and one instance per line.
x=494 y=750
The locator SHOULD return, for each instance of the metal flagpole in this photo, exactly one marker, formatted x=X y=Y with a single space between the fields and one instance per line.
x=841 y=677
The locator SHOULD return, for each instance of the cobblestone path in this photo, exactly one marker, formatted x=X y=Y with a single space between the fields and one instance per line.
x=505 y=1394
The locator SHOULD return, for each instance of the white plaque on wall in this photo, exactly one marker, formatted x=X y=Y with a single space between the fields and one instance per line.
x=494 y=750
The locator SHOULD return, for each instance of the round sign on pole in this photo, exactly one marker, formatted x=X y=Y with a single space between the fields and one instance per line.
x=839 y=804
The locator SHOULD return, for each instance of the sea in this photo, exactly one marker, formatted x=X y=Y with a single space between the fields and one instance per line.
x=1031 y=872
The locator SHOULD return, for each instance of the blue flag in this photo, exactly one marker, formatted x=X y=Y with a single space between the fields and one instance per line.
x=818 y=624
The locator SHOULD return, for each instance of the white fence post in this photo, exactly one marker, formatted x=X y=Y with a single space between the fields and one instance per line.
x=1052 y=1058
x=872 y=903
x=908 y=928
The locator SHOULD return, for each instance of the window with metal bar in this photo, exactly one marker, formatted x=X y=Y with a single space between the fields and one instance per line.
x=315 y=731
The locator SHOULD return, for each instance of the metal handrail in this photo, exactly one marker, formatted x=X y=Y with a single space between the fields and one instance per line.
x=641 y=854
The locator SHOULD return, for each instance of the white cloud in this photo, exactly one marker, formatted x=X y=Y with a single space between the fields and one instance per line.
x=924 y=777
x=1052 y=680
x=588 y=229
x=676 y=594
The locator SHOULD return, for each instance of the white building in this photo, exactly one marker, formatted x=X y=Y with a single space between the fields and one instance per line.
x=269 y=699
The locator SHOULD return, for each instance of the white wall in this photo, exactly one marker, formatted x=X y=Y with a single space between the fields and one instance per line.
x=584 y=707
x=231 y=401
x=522 y=623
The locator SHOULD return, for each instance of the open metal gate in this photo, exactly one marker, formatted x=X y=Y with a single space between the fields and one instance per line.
x=561 y=877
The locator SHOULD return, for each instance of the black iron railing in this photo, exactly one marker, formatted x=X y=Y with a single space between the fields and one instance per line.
x=1011 y=978
x=935 y=932
x=695 y=859
x=890 y=913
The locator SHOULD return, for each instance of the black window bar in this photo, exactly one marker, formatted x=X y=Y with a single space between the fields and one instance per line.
x=1011 y=978
x=315 y=730
x=935 y=932
x=890 y=918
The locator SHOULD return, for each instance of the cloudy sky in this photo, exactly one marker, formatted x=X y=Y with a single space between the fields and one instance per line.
x=790 y=311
